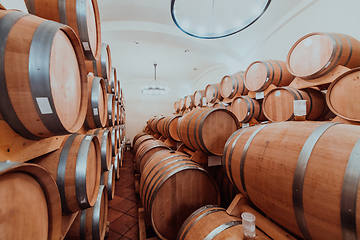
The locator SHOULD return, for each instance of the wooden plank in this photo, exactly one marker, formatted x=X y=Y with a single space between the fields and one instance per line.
x=199 y=157
x=2 y=7
x=171 y=143
x=299 y=83
x=240 y=205
x=67 y=221
x=15 y=148
x=142 y=229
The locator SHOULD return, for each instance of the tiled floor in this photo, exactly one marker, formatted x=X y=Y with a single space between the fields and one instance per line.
x=123 y=209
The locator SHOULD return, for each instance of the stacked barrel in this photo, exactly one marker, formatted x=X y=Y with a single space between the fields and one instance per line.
x=57 y=82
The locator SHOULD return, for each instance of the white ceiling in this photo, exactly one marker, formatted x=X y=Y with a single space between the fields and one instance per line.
x=149 y=22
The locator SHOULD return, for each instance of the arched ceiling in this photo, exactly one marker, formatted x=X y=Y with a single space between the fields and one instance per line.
x=159 y=41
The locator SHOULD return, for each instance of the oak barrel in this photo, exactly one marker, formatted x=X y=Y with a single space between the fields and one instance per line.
x=76 y=166
x=233 y=85
x=211 y=222
x=96 y=115
x=145 y=150
x=246 y=108
x=114 y=139
x=303 y=175
x=260 y=74
x=212 y=93
x=198 y=98
x=168 y=126
x=222 y=105
x=41 y=94
x=137 y=136
x=176 y=107
x=108 y=179
x=104 y=136
x=182 y=104
x=113 y=82
x=342 y=95
x=172 y=187
x=317 y=54
x=91 y=223
x=278 y=104
x=207 y=129
x=110 y=110
x=101 y=67
x=30 y=203
x=140 y=140
x=154 y=123
x=116 y=163
x=189 y=102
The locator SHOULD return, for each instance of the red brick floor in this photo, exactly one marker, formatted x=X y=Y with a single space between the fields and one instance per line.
x=123 y=209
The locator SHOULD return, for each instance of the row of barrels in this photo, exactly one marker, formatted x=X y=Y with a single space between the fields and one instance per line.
x=44 y=95
x=78 y=177
x=310 y=58
x=205 y=129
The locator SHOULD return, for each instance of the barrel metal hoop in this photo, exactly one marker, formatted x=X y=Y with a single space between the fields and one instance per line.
x=80 y=172
x=351 y=50
x=103 y=57
x=110 y=183
x=110 y=113
x=273 y=72
x=331 y=60
x=146 y=150
x=281 y=73
x=61 y=172
x=113 y=142
x=249 y=102
x=265 y=85
x=104 y=142
x=233 y=92
x=243 y=85
x=221 y=228
x=6 y=107
x=95 y=90
x=148 y=199
x=39 y=76
x=299 y=177
x=83 y=29
x=94 y=63
x=82 y=233
x=349 y=193
x=97 y=131
x=311 y=101
x=204 y=214
x=62 y=11
x=188 y=127
x=193 y=166
x=30 y=5
x=243 y=156
x=199 y=142
x=231 y=153
x=96 y=214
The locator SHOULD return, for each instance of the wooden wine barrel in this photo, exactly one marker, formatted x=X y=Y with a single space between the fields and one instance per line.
x=110 y=110
x=287 y=170
x=260 y=74
x=30 y=202
x=137 y=136
x=108 y=179
x=189 y=102
x=278 y=103
x=117 y=113
x=198 y=98
x=82 y=16
x=182 y=104
x=145 y=150
x=104 y=137
x=101 y=67
x=155 y=122
x=316 y=54
x=116 y=163
x=176 y=107
x=168 y=126
x=342 y=97
x=118 y=96
x=114 y=139
x=246 y=108
x=212 y=93
x=222 y=105
x=232 y=86
x=140 y=140
x=211 y=222
x=41 y=95
x=172 y=187
x=96 y=115
x=207 y=129
x=76 y=166
x=148 y=124
x=91 y=223
x=113 y=82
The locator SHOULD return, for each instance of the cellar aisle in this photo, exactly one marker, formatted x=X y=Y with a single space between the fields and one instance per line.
x=123 y=209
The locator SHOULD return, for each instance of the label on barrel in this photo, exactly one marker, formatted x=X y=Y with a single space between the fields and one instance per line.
x=245 y=125
x=86 y=46
x=96 y=111
x=204 y=103
x=259 y=95
x=109 y=116
x=44 y=105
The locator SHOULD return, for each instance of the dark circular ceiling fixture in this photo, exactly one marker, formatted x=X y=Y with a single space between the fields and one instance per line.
x=210 y=19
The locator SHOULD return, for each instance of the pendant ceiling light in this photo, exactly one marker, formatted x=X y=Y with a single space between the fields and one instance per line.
x=155 y=88
x=209 y=19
